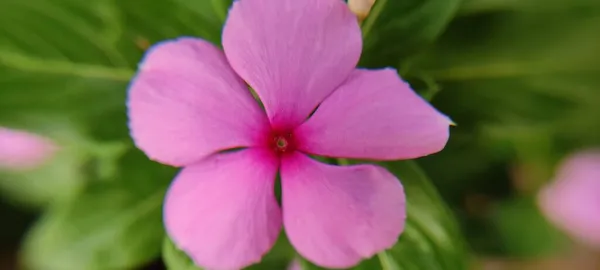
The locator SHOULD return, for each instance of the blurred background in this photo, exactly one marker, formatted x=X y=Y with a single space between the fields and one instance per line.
x=521 y=79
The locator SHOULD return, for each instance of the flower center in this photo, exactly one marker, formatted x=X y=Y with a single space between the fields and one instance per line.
x=282 y=142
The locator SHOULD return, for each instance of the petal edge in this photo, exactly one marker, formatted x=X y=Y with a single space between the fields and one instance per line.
x=186 y=103
x=374 y=115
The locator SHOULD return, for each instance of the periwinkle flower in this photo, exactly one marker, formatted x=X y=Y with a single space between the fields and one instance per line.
x=22 y=150
x=572 y=200
x=190 y=106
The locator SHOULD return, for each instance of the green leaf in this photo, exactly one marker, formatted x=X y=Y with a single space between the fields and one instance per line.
x=534 y=6
x=146 y=20
x=387 y=261
x=396 y=29
x=431 y=239
x=114 y=224
x=80 y=71
x=76 y=58
x=279 y=258
x=213 y=12
x=368 y=264
x=514 y=45
x=524 y=231
x=176 y=259
x=505 y=72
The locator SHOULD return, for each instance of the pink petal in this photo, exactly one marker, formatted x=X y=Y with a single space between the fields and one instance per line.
x=293 y=53
x=21 y=150
x=374 y=115
x=222 y=211
x=335 y=216
x=186 y=103
x=572 y=201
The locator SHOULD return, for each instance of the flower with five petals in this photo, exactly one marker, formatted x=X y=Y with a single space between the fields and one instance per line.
x=190 y=106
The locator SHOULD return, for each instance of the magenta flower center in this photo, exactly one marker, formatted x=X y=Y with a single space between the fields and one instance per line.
x=281 y=142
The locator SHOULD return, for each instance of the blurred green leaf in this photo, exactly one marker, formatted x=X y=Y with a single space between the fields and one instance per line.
x=212 y=12
x=514 y=45
x=76 y=58
x=114 y=224
x=431 y=238
x=511 y=63
x=396 y=29
x=372 y=263
x=521 y=69
x=278 y=258
x=57 y=56
x=524 y=231
x=176 y=259
x=536 y=6
x=145 y=22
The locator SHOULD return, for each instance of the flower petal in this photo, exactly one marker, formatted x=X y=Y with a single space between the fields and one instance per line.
x=572 y=201
x=222 y=211
x=374 y=115
x=186 y=103
x=335 y=216
x=293 y=53
x=21 y=150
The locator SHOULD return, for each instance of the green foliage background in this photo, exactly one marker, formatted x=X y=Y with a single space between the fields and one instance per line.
x=519 y=77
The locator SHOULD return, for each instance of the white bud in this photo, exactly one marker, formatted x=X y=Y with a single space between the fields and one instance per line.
x=361 y=7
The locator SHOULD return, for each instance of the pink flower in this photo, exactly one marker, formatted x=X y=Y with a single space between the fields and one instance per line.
x=572 y=200
x=189 y=105
x=21 y=150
